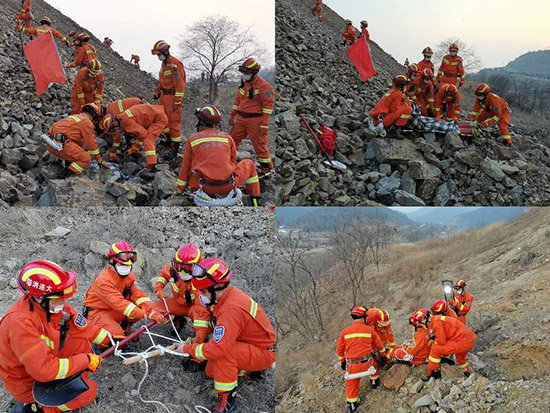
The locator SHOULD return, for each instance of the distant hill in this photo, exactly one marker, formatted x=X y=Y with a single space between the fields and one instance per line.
x=536 y=64
x=465 y=218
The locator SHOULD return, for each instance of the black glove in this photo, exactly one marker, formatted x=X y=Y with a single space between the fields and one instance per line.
x=343 y=365
x=382 y=362
x=344 y=43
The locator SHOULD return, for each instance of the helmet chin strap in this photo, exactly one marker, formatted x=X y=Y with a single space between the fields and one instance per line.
x=212 y=290
x=113 y=264
x=45 y=304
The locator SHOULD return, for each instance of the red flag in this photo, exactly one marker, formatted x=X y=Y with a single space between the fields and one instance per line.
x=360 y=56
x=44 y=61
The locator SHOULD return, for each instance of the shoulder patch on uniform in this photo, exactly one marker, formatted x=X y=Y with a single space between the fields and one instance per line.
x=80 y=321
x=268 y=94
x=218 y=333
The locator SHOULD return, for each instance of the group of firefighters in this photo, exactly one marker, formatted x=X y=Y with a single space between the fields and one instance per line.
x=43 y=338
x=209 y=160
x=439 y=97
x=367 y=345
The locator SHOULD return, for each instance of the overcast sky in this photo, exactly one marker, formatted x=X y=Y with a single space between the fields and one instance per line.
x=135 y=25
x=500 y=30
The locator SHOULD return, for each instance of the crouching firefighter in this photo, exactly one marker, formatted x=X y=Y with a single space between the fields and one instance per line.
x=355 y=350
x=416 y=350
x=42 y=338
x=243 y=338
x=114 y=301
x=210 y=163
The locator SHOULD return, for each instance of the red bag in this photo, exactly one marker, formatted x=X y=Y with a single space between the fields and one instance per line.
x=328 y=140
x=359 y=55
x=43 y=58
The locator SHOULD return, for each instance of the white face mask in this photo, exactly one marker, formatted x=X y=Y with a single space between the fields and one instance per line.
x=428 y=58
x=204 y=299
x=57 y=309
x=453 y=53
x=123 y=269
x=184 y=276
x=247 y=78
x=162 y=57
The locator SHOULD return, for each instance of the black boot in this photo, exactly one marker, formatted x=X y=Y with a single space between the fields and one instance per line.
x=395 y=135
x=266 y=169
x=65 y=173
x=436 y=374
x=448 y=361
x=256 y=201
x=191 y=366
x=227 y=402
x=149 y=172
x=375 y=383
x=26 y=408
x=352 y=407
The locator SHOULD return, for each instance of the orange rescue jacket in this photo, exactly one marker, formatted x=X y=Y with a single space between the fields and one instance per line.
x=80 y=130
x=35 y=31
x=493 y=105
x=390 y=103
x=419 y=347
x=136 y=120
x=422 y=91
x=84 y=83
x=349 y=34
x=182 y=291
x=83 y=54
x=358 y=340
x=425 y=64
x=463 y=303
x=451 y=66
x=453 y=103
x=172 y=78
x=446 y=329
x=255 y=97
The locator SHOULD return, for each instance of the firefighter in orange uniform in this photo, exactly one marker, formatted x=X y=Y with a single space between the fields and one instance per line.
x=450 y=337
x=25 y=14
x=114 y=301
x=210 y=160
x=424 y=92
x=440 y=307
x=417 y=350
x=45 y=28
x=380 y=321
x=84 y=52
x=243 y=338
x=317 y=10
x=364 y=30
x=451 y=70
x=170 y=91
x=73 y=133
x=251 y=111
x=107 y=42
x=462 y=301
x=448 y=102
x=145 y=123
x=135 y=60
x=349 y=34
x=395 y=107
x=116 y=108
x=355 y=347
x=185 y=298
x=426 y=63
x=89 y=85
x=42 y=338
x=489 y=109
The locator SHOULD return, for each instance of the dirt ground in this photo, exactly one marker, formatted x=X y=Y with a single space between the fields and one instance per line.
x=241 y=236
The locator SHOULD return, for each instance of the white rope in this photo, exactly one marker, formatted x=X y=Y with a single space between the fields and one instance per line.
x=233 y=198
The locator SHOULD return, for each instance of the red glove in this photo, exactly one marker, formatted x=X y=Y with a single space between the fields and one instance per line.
x=112 y=156
x=135 y=148
x=159 y=291
x=95 y=362
x=156 y=317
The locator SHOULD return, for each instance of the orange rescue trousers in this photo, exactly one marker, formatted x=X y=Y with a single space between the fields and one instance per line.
x=242 y=356
x=26 y=17
x=352 y=386
x=251 y=127
x=109 y=320
x=459 y=349
x=173 y=112
x=503 y=124
x=74 y=153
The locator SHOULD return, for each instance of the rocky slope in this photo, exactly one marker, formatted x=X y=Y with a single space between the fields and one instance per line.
x=506 y=267
x=315 y=76
x=248 y=248
x=27 y=171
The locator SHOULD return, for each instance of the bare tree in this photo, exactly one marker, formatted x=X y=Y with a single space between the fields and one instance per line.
x=382 y=237
x=469 y=56
x=216 y=45
x=299 y=282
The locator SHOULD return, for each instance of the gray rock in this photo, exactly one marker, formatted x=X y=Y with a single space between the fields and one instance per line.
x=442 y=195
x=163 y=184
x=58 y=232
x=492 y=169
x=453 y=141
x=99 y=247
x=129 y=381
x=407 y=199
x=301 y=148
x=423 y=170
x=469 y=157
x=395 y=152
x=386 y=189
x=423 y=401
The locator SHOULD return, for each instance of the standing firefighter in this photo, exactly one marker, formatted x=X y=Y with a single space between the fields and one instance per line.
x=73 y=134
x=364 y=30
x=45 y=28
x=84 y=52
x=317 y=10
x=448 y=102
x=355 y=347
x=88 y=86
x=116 y=108
x=210 y=161
x=424 y=92
x=426 y=63
x=114 y=301
x=489 y=109
x=185 y=300
x=349 y=34
x=135 y=60
x=243 y=338
x=451 y=70
x=107 y=42
x=144 y=123
x=170 y=91
x=25 y=14
x=462 y=301
x=416 y=350
x=252 y=109
x=42 y=338
x=450 y=337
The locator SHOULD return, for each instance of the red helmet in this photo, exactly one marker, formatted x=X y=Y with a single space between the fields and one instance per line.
x=250 y=65
x=211 y=272
x=94 y=67
x=83 y=37
x=428 y=73
x=358 y=311
x=401 y=80
x=186 y=256
x=419 y=317
x=109 y=122
x=209 y=114
x=383 y=318
x=45 y=278
x=93 y=109
x=364 y=23
x=427 y=51
x=122 y=252
x=160 y=47
x=453 y=47
x=482 y=89
x=450 y=89
x=460 y=284
x=413 y=68
x=439 y=307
